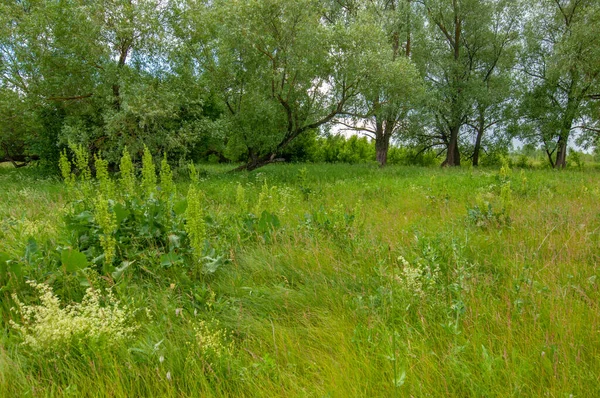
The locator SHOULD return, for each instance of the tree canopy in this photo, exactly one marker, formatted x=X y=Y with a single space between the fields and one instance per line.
x=255 y=80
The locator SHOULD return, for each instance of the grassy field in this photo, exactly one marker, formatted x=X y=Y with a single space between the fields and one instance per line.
x=320 y=281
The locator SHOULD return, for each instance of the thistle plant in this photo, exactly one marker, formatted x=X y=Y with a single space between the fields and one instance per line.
x=127 y=180
x=194 y=221
x=523 y=181
x=505 y=171
x=506 y=199
x=212 y=343
x=264 y=198
x=148 y=173
x=107 y=221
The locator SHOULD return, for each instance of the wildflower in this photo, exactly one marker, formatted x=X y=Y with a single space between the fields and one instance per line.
x=166 y=178
x=107 y=221
x=148 y=173
x=127 y=180
x=48 y=326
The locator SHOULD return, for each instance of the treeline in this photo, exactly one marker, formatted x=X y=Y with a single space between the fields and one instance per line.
x=259 y=80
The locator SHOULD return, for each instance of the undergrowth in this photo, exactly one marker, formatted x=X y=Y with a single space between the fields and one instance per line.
x=310 y=280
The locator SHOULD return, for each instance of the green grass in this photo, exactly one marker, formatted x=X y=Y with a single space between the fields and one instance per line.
x=323 y=306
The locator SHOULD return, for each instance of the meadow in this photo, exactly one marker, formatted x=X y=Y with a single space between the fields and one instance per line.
x=300 y=281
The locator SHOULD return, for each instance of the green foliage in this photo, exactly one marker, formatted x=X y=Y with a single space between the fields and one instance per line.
x=407 y=156
x=107 y=223
x=82 y=162
x=337 y=148
x=148 y=173
x=127 y=180
x=167 y=186
x=49 y=328
x=493 y=209
x=559 y=81
x=367 y=263
x=194 y=222
x=65 y=169
x=105 y=183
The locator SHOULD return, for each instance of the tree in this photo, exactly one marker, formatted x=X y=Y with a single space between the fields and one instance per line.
x=393 y=88
x=493 y=80
x=18 y=129
x=560 y=63
x=468 y=39
x=280 y=67
x=96 y=68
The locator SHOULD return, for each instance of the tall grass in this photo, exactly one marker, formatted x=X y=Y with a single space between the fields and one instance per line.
x=369 y=283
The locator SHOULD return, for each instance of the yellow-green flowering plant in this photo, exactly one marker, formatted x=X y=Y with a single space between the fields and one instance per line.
x=50 y=326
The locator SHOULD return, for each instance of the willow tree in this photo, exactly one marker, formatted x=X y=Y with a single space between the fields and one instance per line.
x=464 y=48
x=394 y=87
x=561 y=63
x=280 y=68
x=493 y=81
x=86 y=64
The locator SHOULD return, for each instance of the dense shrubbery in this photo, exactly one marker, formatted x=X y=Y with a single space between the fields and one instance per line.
x=352 y=150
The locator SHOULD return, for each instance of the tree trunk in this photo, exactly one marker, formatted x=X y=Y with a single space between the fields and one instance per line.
x=255 y=162
x=382 y=145
x=16 y=158
x=452 y=154
x=116 y=88
x=561 y=153
x=563 y=140
x=477 y=148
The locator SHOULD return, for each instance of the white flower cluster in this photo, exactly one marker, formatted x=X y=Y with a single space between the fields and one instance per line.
x=417 y=279
x=212 y=343
x=48 y=327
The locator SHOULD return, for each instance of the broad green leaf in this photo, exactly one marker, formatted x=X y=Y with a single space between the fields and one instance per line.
x=169 y=259
x=73 y=260
x=4 y=258
x=119 y=271
x=31 y=249
x=14 y=267
x=180 y=207
x=399 y=382
x=121 y=212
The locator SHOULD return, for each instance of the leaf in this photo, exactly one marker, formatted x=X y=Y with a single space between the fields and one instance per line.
x=83 y=281
x=119 y=271
x=268 y=221
x=180 y=207
x=121 y=212
x=31 y=249
x=73 y=260
x=212 y=264
x=399 y=382
x=86 y=216
x=174 y=241
x=169 y=259
x=4 y=259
